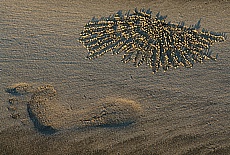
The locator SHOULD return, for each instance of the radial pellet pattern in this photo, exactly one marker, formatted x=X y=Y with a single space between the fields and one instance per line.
x=146 y=39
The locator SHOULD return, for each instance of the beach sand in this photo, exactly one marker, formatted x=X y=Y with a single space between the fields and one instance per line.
x=54 y=101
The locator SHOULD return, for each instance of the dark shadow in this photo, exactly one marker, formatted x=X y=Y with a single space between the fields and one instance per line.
x=13 y=92
x=47 y=130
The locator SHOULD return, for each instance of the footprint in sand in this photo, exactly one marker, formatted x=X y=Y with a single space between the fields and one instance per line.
x=49 y=116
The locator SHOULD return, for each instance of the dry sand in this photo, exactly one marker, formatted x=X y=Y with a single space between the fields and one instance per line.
x=49 y=116
x=65 y=104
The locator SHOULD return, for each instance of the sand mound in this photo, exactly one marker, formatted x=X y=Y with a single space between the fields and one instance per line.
x=44 y=110
x=113 y=112
x=44 y=92
x=19 y=89
x=49 y=116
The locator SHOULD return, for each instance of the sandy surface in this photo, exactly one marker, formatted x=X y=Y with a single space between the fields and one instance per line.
x=183 y=111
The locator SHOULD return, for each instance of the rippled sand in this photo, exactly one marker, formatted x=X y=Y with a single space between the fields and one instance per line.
x=54 y=101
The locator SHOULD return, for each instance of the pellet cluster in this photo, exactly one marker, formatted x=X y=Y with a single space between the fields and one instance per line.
x=150 y=40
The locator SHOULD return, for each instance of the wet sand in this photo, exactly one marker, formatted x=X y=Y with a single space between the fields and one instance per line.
x=63 y=103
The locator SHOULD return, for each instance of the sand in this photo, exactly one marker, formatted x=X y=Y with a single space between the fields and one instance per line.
x=49 y=116
x=54 y=101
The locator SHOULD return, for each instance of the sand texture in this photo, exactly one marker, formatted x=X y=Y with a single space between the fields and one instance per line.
x=55 y=101
x=49 y=116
